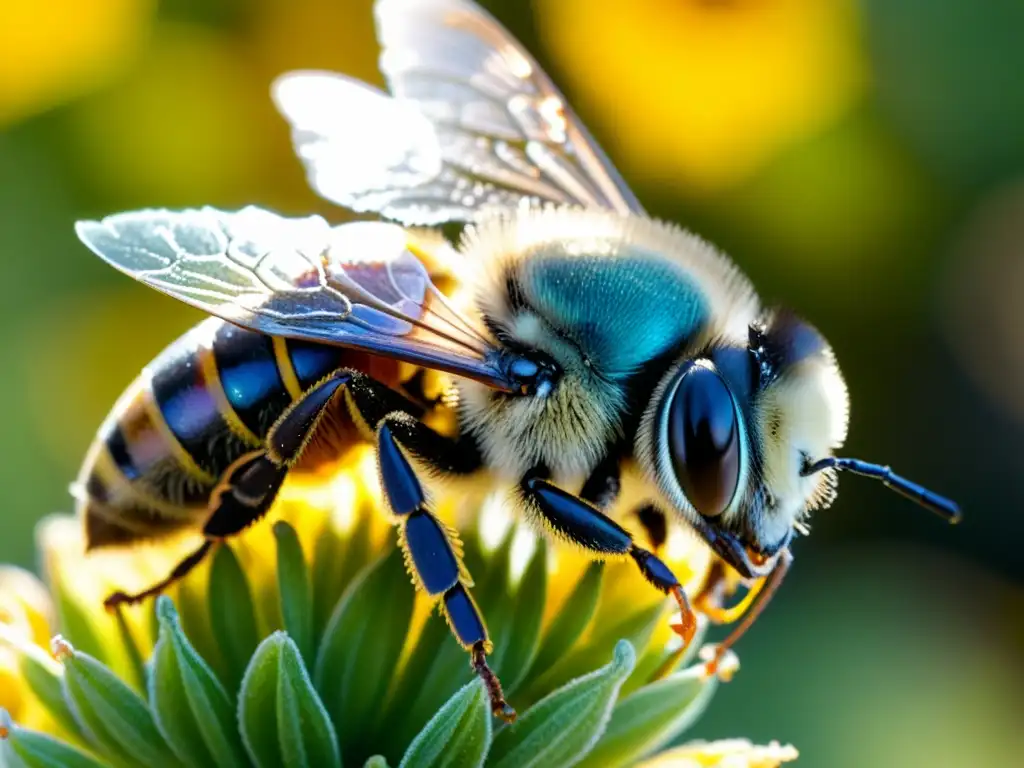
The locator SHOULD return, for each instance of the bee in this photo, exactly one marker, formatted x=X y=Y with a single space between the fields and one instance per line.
x=593 y=348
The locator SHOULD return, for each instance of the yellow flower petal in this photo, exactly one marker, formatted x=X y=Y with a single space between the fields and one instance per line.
x=729 y=753
x=25 y=605
x=26 y=618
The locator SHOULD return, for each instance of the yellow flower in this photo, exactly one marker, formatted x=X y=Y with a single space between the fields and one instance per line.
x=699 y=95
x=315 y=606
x=53 y=51
x=732 y=753
x=26 y=619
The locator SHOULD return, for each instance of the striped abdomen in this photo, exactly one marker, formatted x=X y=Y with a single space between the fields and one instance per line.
x=203 y=402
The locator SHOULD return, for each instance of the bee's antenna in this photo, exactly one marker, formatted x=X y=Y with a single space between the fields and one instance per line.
x=945 y=508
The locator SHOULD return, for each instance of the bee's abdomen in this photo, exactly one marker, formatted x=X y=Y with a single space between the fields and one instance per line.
x=207 y=399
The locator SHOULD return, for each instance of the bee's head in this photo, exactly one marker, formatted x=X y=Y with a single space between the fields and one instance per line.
x=740 y=438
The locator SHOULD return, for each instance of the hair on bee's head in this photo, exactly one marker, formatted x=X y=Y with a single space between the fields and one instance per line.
x=800 y=408
x=803 y=410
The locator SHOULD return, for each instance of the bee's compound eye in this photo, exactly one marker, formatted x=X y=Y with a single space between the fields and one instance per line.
x=702 y=440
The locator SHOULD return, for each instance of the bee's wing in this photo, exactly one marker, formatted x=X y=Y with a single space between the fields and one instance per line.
x=474 y=124
x=355 y=285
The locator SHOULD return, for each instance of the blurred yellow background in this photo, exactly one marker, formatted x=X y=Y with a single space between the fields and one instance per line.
x=862 y=161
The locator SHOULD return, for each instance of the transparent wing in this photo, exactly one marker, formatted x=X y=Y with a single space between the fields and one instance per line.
x=474 y=124
x=355 y=285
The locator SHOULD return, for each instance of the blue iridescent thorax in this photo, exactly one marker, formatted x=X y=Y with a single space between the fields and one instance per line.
x=621 y=311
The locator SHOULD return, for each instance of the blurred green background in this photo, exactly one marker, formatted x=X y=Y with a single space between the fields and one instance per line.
x=862 y=161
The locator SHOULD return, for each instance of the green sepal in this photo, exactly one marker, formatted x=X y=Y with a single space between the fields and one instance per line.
x=22 y=748
x=570 y=622
x=190 y=706
x=114 y=717
x=45 y=680
x=193 y=609
x=295 y=590
x=337 y=559
x=652 y=717
x=458 y=735
x=135 y=666
x=281 y=718
x=360 y=651
x=517 y=639
x=232 y=615
x=377 y=761
x=564 y=726
x=636 y=628
x=78 y=624
x=434 y=671
x=437 y=666
x=658 y=663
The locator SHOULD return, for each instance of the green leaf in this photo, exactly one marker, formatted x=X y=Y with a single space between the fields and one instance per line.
x=573 y=617
x=296 y=591
x=135 y=671
x=282 y=720
x=360 y=651
x=192 y=709
x=458 y=735
x=22 y=748
x=434 y=671
x=76 y=622
x=232 y=615
x=652 y=717
x=564 y=726
x=516 y=640
x=115 y=718
x=658 y=663
x=194 y=615
x=438 y=666
x=336 y=561
x=45 y=680
x=636 y=628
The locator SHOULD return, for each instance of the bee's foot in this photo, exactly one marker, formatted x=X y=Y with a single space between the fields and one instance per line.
x=117 y=599
x=504 y=712
x=499 y=707
x=687 y=626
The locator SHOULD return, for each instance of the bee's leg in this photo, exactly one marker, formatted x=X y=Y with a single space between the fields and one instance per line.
x=244 y=494
x=248 y=487
x=574 y=519
x=432 y=550
x=181 y=570
x=602 y=489
x=710 y=600
x=291 y=433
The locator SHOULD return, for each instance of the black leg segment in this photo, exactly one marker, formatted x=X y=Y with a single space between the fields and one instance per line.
x=293 y=430
x=574 y=519
x=450 y=456
x=180 y=571
x=464 y=617
x=244 y=495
